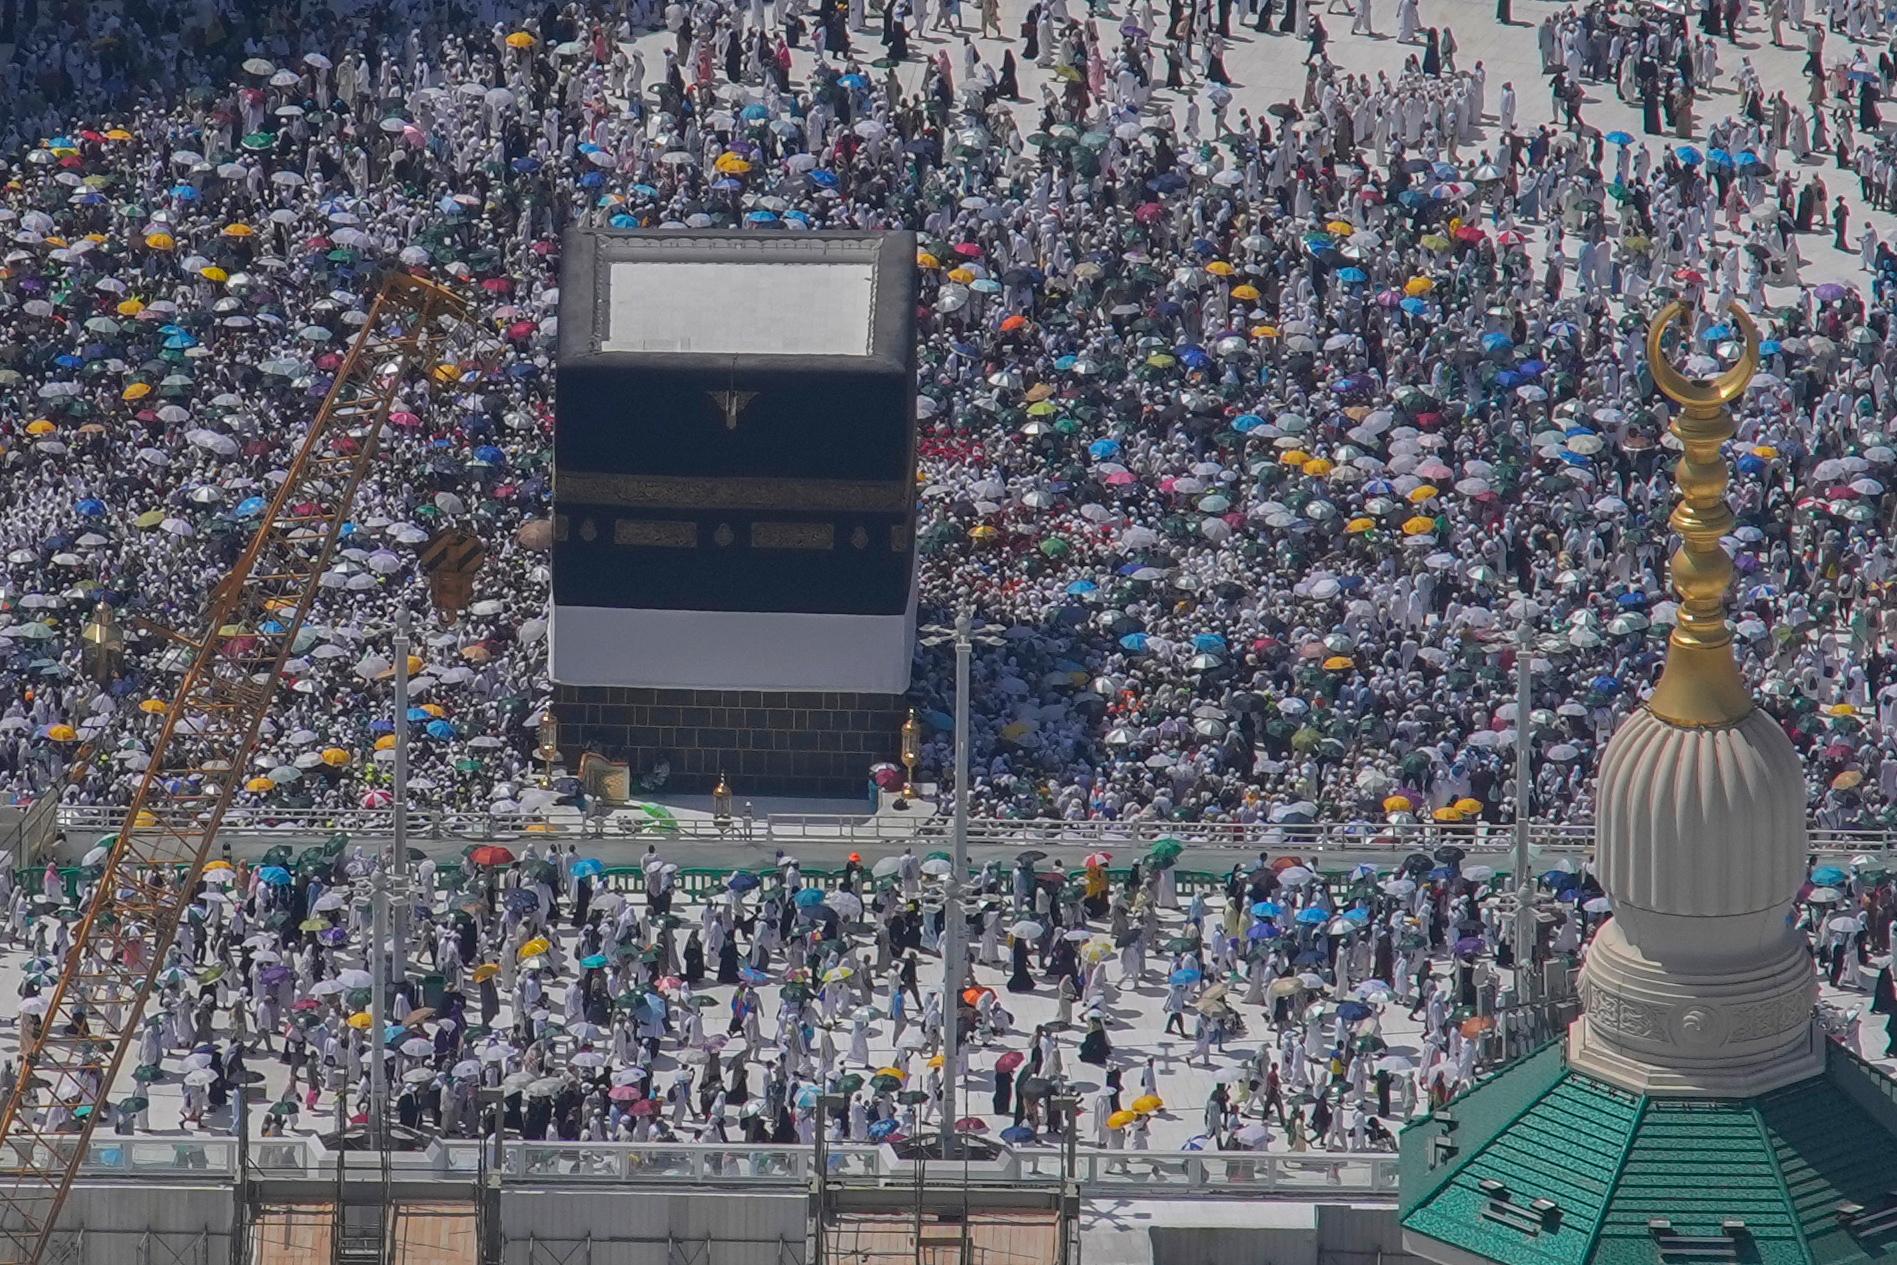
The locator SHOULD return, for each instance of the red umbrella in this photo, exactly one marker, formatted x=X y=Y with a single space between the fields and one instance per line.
x=625 y=1093
x=1009 y=1061
x=491 y=854
x=971 y=1124
x=968 y=250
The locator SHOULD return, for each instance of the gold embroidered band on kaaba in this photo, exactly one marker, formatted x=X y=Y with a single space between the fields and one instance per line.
x=695 y=493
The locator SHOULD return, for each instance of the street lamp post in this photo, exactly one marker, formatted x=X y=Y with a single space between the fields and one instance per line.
x=1525 y=928
x=952 y=924
x=395 y=859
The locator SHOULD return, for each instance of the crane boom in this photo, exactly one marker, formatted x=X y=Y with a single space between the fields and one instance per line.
x=78 y=1045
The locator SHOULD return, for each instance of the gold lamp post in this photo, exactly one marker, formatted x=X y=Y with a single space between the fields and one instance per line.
x=911 y=753
x=721 y=804
x=104 y=643
x=549 y=748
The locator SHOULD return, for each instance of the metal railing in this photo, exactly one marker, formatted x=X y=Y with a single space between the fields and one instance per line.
x=925 y=831
x=789 y=1169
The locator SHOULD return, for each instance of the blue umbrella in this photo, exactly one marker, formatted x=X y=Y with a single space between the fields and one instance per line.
x=1186 y=975
x=1769 y=347
x=1688 y=155
x=823 y=179
x=1080 y=588
x=808 y=896
x=1263 y=931
x=1828 y=876
x=249 y=507
x=1313 y=916
x=741 y=882
x=1017 y=1134
x=1618 y=137
x=1352 y=1011
x=1101 y=449
x=1631 y=601
x=623 y=220
x=1136 y=642
x=441 y=729
x=490 y=455
x=593 y=961
x=1211 y=643
x=1495 y=340
x=1246 y=423
x=881 y=1129
x=275 y=875
x=588 y=867
x=419 y=715
x=1414 y=306
x=1359 y=914
x=90 y=507
x=1718 y=157
x=1267 y=909
x=1604 y=684
x=1352 y=276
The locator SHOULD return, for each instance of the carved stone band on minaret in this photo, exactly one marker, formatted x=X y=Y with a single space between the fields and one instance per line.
x=1701 y=685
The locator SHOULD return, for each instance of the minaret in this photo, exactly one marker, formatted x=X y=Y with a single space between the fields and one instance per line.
x=1699 y=985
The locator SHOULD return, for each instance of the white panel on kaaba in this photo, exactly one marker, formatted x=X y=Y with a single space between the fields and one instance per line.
x=734 y=461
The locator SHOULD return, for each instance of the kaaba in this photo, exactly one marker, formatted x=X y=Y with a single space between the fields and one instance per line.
x=734 y=503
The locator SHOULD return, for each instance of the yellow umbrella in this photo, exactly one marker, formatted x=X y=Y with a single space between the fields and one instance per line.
x=521 y=39
x=925 y=260
x=1338 y=663
x=335 y=757
x=535 y=947
x=1120 y=1119
x=40 y=426
x=260 y=786
x=1421 y=525
x=896 y=1072
x=154 y=707
x=435 y=709
x=219 y=864
x=62 y=733
x=130 y=307
x=984 y=533
x=1423 y=493
x=360 y=1021
x=1147 y=1104
x=1765 y=451
x=238 y=230
x=1841 y=709
x=1318 y=467
x=1397 y=804
x=1219 y=268
x=160 y=241
x=137 y=390
x=1294 y=457
x=1433 y=241
x=486 y=971
x=937 y=1061
x=214 y=273
x=1358 y=526
x=1246 y=292
x=732 y=164
x=1340 y=228
x=1418 y=286
x=1447 y=813
x=961 y=276
x=1264 y=331
x=118 y=134
x=414 y=666
x=385 y=743
x=1468 y=806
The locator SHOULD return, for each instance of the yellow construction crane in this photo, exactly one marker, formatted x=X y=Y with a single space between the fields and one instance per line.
x=73 y=1051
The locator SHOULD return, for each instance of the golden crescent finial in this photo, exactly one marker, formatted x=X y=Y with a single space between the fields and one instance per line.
x=1698 y=395
x=1701 y=686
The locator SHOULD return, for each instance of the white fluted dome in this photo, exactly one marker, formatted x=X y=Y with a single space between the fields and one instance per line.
x=1699 y=985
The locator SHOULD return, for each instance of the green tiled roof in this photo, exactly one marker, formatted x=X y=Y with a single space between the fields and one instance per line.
x=1611 y=1162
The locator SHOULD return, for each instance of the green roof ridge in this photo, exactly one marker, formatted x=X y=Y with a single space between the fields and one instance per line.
x=1620 y=1166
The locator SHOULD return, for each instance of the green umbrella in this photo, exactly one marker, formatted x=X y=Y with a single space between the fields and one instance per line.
x=146 y=1073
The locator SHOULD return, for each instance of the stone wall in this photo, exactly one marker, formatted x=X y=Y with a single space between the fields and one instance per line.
x=767 y=743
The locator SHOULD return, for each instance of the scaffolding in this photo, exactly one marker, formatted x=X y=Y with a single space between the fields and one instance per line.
x=75 y=1051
